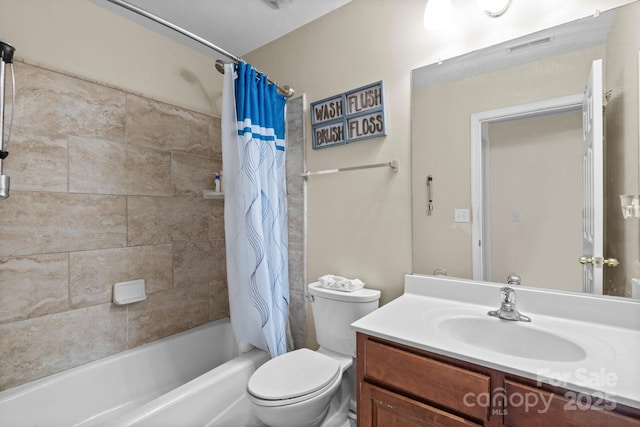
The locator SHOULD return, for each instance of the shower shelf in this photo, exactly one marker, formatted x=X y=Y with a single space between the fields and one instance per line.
x=210 y=194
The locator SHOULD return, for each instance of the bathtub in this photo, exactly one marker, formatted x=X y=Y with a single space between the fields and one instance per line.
x=189 y=379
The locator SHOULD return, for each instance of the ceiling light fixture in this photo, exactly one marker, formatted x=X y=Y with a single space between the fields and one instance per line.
x=438 y=14
x=494 y=8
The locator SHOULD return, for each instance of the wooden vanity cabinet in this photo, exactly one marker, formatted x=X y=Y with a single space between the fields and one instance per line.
x=403 y=387
x=400 y=386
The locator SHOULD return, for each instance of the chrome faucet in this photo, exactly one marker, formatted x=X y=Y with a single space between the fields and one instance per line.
x=508 y=310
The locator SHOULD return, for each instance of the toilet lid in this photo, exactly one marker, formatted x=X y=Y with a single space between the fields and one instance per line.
x=292 y=375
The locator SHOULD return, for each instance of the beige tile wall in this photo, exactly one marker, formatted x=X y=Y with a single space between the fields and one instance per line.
x=105 y=187
x=296 y=190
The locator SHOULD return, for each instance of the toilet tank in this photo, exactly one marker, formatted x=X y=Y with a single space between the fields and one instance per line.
x=335 y=311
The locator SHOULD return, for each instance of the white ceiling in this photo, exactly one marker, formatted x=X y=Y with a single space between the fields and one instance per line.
x=237 y=26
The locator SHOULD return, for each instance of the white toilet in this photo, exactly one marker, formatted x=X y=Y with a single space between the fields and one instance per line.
x=295 y=389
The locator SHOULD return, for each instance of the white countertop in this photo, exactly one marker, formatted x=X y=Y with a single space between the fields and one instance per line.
x=608 y=329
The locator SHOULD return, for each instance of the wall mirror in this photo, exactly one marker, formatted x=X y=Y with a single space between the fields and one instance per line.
x=500 y=131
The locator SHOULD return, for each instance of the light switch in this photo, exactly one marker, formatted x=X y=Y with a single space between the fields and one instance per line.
x=461 y=215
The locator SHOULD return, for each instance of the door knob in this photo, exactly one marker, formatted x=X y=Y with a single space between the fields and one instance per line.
x=611 y=262
x=599 y=262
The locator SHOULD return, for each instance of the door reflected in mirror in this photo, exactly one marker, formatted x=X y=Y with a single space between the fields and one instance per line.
x=530 y=189
x=531 y=212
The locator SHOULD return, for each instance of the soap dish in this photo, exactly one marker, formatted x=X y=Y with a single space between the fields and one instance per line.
x=210 y=194
x=129 y=292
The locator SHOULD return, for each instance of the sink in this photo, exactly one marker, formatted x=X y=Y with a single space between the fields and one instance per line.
x=512 y=338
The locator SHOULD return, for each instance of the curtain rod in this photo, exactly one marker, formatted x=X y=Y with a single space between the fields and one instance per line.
x=285 y=90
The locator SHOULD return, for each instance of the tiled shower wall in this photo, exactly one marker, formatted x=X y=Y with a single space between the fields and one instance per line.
x=106 y=186
x=296 y=212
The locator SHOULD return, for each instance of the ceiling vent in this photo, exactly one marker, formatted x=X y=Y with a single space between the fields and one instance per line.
x=543 y=41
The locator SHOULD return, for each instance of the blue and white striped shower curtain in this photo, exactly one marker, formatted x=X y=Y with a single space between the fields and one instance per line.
x=255 y=209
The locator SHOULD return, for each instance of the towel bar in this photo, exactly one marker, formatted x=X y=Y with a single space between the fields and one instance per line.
x=393 y=164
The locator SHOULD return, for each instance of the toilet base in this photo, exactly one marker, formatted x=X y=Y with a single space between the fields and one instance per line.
x=334 y=415
x=337 y=415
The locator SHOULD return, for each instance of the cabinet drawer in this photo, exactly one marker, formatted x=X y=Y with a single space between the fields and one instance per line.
x=380 y=407
x=529 y=407
x=427 y=379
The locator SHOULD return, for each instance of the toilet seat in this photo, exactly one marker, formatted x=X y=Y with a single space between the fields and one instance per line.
x=293 y=377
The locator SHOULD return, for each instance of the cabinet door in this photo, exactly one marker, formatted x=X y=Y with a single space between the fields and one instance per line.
x=381 y=408
x=530 y=407
x=429 y=380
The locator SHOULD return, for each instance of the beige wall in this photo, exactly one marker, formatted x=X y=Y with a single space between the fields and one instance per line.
x=82 y=38
x=622 y=145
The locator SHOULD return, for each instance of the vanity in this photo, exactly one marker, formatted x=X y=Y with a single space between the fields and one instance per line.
x=434 y=357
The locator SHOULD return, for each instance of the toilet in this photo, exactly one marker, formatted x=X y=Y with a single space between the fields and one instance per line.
x=296 y=388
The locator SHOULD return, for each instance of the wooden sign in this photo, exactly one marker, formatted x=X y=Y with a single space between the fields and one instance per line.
x=348 y=117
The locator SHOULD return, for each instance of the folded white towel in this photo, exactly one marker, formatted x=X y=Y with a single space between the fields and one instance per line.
x=339 y=283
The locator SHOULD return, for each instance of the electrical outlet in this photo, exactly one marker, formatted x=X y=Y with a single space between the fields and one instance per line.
x=461 y=215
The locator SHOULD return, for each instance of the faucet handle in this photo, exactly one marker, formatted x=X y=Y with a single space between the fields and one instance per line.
x=514 y=279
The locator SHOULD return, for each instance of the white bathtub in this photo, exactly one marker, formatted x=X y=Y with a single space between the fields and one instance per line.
x=189 y=379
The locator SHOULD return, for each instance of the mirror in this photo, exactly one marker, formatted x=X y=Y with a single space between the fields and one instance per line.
x=545 y=189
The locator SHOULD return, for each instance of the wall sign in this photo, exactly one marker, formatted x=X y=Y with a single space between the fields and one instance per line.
x=348 y=117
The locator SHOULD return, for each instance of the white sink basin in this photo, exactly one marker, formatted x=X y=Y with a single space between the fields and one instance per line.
x=584 y=343
x=512 y=338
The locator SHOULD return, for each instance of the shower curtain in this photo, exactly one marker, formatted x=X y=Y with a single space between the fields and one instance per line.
x=255 y=208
